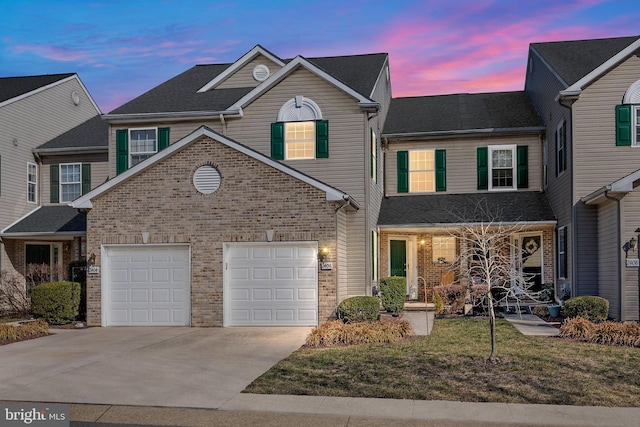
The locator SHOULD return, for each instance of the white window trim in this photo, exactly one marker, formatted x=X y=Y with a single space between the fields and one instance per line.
x=61 y=184
x=514 y=161
x=286 y=142
x=433 y=171
x=35 y=183
x=562 y=230
x=635 y=111
x=374 y=155
x=435 y=259
x=130 y=140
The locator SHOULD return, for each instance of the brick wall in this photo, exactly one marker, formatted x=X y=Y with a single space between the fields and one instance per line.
x=252 y=198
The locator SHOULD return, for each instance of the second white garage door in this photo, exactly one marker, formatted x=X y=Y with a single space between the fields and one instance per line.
x=146 y=285
x=273 y=284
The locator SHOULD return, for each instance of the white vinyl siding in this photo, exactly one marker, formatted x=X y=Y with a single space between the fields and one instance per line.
x=609 y=256
x=243 y=77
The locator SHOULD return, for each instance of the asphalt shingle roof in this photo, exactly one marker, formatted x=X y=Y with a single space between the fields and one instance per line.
x=52 y=219
x=433 y=209
x=179 y=94
x=573 y=60
x=94 y=133
x=11 y=87
x=461 y=112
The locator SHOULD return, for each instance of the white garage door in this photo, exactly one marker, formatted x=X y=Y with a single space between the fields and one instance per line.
x=146 y=286
x=274 y=284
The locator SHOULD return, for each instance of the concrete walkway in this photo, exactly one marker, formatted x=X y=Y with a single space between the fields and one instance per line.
x=530 y=324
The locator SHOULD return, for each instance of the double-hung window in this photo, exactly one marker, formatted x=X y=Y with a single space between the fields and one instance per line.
x=422 y=171
x=143 y=143
x=502 y=167
x=70 y=181
x=32 y=182
x=443 y=249
x=300 y=140
x=636 y=125
x=374 y=156
x=562 y=252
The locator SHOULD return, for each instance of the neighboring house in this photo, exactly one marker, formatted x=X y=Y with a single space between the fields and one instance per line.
x=588 y=94
x=460 y=159
x=264 y=167
x=51 y=141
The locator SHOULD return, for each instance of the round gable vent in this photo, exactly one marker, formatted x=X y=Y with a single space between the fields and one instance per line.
x=260 y=73
x=206 y=179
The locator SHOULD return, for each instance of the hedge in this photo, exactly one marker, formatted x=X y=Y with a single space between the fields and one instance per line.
x=359 y=309
x=595 y=309
x=56 y=302
x=393 y=293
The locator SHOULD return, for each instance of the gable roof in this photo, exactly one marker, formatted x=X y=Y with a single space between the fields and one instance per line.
x=449 y=209
x=92 y=135
x=579 y=62
x=181 y=94
x=332 y=193
x=459 y=114
x=13 y=87
x=49 y=220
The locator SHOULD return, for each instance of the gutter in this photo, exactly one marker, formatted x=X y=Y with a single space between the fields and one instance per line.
x=470 y=224
x=70 y=150
x=170 y=116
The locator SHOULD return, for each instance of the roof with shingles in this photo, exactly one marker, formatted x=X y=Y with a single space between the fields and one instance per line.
x=572 y=60
x=180 y=94
x=443 y=209
x=461 y=113
x=12 y=87
x=94 y=133
x=51 y=219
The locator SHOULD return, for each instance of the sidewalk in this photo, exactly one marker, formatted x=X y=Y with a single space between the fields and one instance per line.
x=275 y=410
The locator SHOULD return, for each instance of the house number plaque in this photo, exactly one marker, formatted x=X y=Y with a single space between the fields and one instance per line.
x=633 y=262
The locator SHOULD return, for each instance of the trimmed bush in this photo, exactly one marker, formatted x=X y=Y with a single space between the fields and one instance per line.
x=358 y=309
x=336 y=333
x=437 y=302
x=56 y=302
x=10 y=333
x=393 y=293
x=595 y=309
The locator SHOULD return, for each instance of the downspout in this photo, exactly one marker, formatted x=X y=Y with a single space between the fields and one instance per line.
x=618 y=245
x=367 y=201
x=224 y=124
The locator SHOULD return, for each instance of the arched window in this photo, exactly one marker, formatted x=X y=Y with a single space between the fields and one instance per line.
x=300 y=132
x=628 y=117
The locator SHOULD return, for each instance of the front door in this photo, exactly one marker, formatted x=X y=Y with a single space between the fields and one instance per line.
x=530 y=260
x=398 y=256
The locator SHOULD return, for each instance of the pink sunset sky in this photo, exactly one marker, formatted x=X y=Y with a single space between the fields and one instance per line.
x=121 y=48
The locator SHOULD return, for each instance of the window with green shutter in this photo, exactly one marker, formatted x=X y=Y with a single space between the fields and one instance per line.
x=624 y=124
x=374 y=156
x=300 y=140
x=422 y=171
x=561 y=148
x=86 y=178
x=136 y=145
x=441 y=170
x=122 y=150
x=403 y=171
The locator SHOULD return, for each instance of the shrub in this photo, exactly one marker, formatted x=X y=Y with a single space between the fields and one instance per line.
x=393 y=293
x=9 y=333
x=608 y=333
x=437 y=302
x=337 y=333
x=540 y=310
x=56 y=302
x=358 y=309
x=592 y=308
x=453 y=296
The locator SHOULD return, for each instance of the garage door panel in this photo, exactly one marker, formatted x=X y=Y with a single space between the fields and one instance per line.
x=148 y=285
x=271 y=284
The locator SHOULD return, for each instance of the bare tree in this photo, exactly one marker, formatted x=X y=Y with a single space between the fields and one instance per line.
x=14 y=299
x=487 y=258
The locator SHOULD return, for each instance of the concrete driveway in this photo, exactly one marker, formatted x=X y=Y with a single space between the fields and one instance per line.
x=159 y=366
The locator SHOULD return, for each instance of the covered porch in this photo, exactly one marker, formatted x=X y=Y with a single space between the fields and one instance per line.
x=419 y=237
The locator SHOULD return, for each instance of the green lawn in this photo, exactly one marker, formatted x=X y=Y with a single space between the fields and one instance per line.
x=450 y=365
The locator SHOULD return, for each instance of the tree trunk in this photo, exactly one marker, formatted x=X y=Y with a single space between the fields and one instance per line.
x=493 y=357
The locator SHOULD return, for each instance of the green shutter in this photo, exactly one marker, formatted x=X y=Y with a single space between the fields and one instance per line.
x=322 y=139
x=277 y=141
x=403 y=171
x=623 y=125
x=122 y=150
x=441 y=170
x=163 y=138
x=523 y=166
x=86 y=178
x=54 y=184
x=483 y=168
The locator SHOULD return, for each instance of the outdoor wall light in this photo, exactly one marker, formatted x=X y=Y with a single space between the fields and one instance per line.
x=323 y=254
x=633 y=243
x=92 y=260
